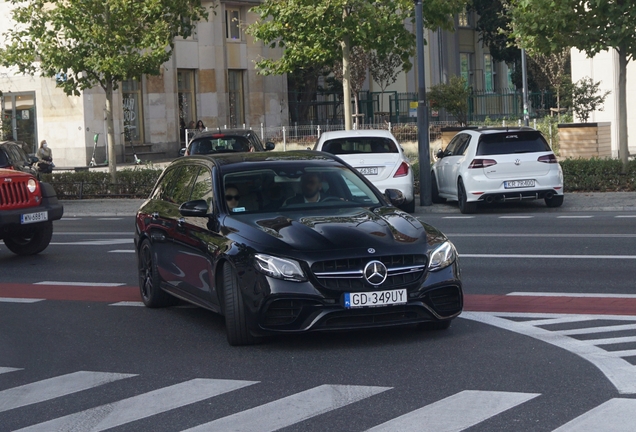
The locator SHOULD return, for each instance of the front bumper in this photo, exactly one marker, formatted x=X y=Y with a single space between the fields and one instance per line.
x=11 y=220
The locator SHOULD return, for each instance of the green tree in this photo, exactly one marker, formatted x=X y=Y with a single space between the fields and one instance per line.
x=325 y=31
x=97 y=42
x=592 y=26
x=384 y=71
x=586 y=98
x=453 y=97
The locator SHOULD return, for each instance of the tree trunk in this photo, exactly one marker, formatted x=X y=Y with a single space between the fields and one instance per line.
x=346 y=76
x=356 y=105
x=110 y=134
x=623 y=144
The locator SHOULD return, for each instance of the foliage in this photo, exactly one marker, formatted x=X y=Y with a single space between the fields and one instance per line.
x=586 y=98
x=384 y=70
x=554 y=67
x=358 y=65
x=452 y=96
x=88 y=43
x=598 y=175
x=493 y=27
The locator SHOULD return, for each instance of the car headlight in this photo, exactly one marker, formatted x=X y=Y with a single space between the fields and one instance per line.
x=442 y=256
x=32 y=185
x=279 y=268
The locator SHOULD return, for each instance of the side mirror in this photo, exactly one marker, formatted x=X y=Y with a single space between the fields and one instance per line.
x=395 y=196
x=269 y=146
x=196 y=208
x=182 y=151
x=439 y=154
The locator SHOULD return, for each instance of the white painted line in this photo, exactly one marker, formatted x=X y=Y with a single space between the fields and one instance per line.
x=560 y=320
x=458 y=217
x=600 y=329
x=574 y=217
x=625 y=216
x=19 y=300
x=91 y=284
x=93 y=234
x=122 y=251
x=455 y=413
x=8 y=369
x=127 y=303
x=70 y=219
x=141 y=406
x=516 y=217
x=627 y=257
x=52 y=388
x=292 y=409
x=552 y=235
x=578 y=317
x=95 y=242
x=616 y=415
x=625 y=353
x=555 y=294
x=110 y=218
x=611 y=341
x=617 y=370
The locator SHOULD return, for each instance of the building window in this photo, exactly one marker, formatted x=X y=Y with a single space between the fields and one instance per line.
x=133 y=114
x=464 y=18
x=233 y=24
x=489 y=74
x=185 y=91
x=465 y=68
x=235 y=91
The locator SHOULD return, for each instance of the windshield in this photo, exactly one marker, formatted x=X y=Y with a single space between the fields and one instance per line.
x=512 y=142
x=220 y=144
x=287 y=187
x=355 y=145
x=4 y=162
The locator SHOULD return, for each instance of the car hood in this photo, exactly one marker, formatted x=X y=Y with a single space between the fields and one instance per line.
x=331 y=230
x=5 y=172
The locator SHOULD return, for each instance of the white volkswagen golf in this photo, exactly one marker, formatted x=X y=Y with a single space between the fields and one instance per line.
x=376 y=154
x=495 y=165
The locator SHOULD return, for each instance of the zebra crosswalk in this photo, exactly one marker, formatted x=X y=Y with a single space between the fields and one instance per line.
x=457 y=412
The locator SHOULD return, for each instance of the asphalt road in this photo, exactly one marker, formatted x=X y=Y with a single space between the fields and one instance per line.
x=78 y=353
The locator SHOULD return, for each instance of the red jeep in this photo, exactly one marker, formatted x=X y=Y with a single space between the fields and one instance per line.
x=27 y=211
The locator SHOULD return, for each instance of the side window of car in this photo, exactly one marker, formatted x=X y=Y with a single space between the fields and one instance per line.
x=450 y=148
x=202 y=189
x=463 y=145
x=176 y=185
x=256 y=143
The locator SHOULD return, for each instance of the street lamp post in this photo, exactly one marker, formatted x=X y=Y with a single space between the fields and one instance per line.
x=422 y=113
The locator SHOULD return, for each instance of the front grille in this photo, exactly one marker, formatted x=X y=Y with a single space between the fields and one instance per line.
x=282 y=312
x=370 y=319
x=13 y=193
x=347 y=274
x=446 y=300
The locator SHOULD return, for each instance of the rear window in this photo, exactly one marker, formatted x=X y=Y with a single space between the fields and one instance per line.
x=512 y=142
x=219 y=144
x=359 y=145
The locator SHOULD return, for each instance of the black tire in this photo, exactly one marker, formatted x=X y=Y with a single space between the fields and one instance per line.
x=555 y=201
x=464 y=206
x=33 y=242
x=409 y=207
x=435 y=325
x=149 y=280
x=435 y=191
x=235 y=316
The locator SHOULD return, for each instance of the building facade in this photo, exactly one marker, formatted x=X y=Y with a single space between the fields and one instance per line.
x=211 y=77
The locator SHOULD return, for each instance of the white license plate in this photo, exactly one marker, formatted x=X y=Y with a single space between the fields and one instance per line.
x=518 y=184
x=369 y=171
x=34 y=217
x=375 y=298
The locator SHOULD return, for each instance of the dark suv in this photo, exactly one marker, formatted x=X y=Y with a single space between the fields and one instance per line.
x=12 y=156
x=27 y=211
x=225 y=141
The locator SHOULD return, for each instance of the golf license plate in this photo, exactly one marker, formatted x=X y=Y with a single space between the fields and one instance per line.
x=368 y=170
x=510 y=184
x=34 y=217
x=375 y=298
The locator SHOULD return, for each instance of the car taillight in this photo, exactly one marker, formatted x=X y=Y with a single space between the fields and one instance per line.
x=548 y=159
x=482 y=163
x=402 y=170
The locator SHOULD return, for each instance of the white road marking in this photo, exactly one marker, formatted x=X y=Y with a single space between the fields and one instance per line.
x=559 y=320
x=141 y=406
x=625 y=216
x=19 y=300
x=95 y=242
x=626 y=353
x=93 y=233
x=552 y=235
x=92 y=284
x=574 y=217
x=600 y=329
x=109 y=218
x=8 y=369
x=626 y=257
x=70 y=219
x=52 y=388
x=555 y=294
x=455 y=413
x=612 y=341
x=127 y=303
x=516 y=217
x=618 y=371
x=616 y=415
x=458 y=217
x=291 y=409
x=122 y=251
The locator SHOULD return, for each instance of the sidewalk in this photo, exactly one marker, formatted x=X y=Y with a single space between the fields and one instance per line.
x=574 y=202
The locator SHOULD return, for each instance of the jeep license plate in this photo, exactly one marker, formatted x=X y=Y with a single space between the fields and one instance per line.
x=34 y=217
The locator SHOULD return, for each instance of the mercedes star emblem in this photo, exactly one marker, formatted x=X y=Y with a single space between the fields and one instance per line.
x=375 y=273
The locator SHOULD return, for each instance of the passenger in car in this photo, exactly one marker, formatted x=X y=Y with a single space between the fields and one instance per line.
x=232 y=196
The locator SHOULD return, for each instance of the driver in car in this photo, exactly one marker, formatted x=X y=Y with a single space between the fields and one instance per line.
x=310 y=185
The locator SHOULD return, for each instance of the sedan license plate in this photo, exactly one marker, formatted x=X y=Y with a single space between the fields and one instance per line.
x=34 y=217
x=368 y=170
x=375 y=298
x=518 y=184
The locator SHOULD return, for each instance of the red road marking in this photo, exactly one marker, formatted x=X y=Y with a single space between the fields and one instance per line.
x=472 y=302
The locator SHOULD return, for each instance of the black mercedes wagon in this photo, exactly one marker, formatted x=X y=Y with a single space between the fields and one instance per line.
x=291 y=242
